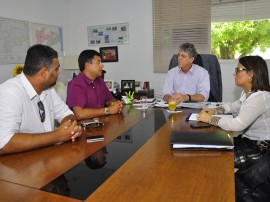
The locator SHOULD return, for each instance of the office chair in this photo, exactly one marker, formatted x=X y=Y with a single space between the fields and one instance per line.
x=211 y=64
x=61 y=90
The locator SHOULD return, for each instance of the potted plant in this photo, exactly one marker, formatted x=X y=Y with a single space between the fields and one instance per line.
x=130 y=97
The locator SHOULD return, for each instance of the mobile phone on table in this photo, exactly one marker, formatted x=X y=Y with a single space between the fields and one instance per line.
x=200 y=125
x=95 y=138
x=91 y=124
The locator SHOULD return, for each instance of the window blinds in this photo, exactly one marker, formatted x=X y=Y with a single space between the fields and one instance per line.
x=238 y=10
x=176 y=22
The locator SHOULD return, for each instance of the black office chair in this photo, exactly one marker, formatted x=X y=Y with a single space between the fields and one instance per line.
x=211 y=64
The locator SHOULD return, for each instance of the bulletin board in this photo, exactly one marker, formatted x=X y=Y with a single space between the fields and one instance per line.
x=108 y=34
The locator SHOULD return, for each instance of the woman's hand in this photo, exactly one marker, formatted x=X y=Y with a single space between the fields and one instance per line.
x=204 y=116
x=210 y=111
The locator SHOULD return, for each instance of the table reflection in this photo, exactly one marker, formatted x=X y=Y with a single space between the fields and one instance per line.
x=89 y=174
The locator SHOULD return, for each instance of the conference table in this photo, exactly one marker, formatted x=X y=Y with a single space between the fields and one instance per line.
x=140 y=166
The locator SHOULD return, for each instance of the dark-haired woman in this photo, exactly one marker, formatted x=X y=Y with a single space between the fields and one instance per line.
x=252 y=117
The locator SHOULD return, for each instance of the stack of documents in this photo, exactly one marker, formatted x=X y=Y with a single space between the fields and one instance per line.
x=200 y=140
x=193 y=116
x=150 y=102
x=193 y=105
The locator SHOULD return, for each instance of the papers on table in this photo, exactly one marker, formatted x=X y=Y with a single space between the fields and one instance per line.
x=193 y=105
x=150 y=102
x=173 y=112
x=193 y=116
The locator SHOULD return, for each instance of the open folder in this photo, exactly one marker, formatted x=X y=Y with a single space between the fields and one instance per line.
x=201 y=140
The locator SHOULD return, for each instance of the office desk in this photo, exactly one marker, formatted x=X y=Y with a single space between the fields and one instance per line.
x=39 y=167
x=153 y=173
x=157 y=173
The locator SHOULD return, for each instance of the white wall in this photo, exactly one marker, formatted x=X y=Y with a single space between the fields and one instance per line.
x=45 y=12
x=135 y=58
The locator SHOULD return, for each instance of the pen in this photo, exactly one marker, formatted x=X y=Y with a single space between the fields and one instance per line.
x=213 y=104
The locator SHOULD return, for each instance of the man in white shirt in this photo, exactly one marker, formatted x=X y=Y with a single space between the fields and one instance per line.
x=29 y=105
x=187 y=82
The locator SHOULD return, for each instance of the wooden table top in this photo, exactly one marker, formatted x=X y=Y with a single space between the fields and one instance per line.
x=153 y=173
x=157 y=173
x=38 y=167
x=14 y=192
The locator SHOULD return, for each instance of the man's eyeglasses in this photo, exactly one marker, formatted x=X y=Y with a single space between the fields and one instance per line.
x=239 y=69
x=41 y=111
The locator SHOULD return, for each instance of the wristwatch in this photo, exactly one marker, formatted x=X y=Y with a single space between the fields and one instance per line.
x=106 y=111
x=189 y=98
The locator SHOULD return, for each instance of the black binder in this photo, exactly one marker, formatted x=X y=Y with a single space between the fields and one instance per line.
x=200 y=140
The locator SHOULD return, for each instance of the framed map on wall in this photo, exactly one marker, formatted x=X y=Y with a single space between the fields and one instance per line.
x=14 y=41
x=108 y=34
x=17 y=36
x=47 y=35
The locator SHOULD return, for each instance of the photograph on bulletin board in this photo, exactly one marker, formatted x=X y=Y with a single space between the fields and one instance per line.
x=108 y=34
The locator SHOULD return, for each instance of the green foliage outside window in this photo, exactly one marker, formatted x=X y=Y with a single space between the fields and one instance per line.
x=229 y=38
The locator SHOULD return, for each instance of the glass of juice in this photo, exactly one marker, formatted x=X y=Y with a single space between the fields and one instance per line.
x=172 y=105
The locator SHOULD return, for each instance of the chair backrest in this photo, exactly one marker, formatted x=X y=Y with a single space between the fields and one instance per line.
x=211 y=64
x=61 y=90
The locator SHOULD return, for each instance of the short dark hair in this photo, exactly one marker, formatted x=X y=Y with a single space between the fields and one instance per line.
x=38 y=56
x=94 y=163
x=189 y=48
x=86 y=56
x=257 y=64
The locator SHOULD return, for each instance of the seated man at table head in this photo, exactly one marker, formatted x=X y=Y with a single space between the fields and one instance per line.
x=187 y=82
x=252 y=119
x=87 y=94
x=29 y=105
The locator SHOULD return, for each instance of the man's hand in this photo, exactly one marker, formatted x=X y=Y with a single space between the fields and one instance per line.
x=178 y=97
x=115 y=107
x=69 y=130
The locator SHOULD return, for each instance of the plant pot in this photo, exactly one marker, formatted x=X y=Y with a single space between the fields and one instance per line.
x=129 y=101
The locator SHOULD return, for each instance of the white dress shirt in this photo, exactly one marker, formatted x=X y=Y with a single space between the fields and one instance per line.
x=253 y=116
x=19 y=111
x=195 y=81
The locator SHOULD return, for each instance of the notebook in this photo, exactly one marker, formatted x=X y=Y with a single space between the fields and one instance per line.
x=200 y=140
x=193 y=116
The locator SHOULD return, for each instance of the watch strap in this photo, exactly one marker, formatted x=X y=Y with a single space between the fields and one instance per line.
x=106 y=111
x=189 y=97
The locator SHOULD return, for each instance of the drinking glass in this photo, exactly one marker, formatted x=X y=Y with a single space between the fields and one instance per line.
x=143 y=102
x=172 y=105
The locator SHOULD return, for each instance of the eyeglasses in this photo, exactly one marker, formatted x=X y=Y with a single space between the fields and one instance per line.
x=41 y=111
x=239 y=69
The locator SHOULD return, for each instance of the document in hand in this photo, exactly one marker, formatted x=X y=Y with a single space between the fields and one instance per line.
x=200 y=140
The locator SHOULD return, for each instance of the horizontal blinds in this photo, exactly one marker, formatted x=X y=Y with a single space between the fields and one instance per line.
x=238 y=10
x=176 y=22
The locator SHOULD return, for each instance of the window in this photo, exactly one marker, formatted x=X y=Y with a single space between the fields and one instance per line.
x=176 y=22
x=240 y=27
